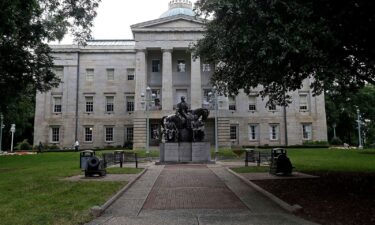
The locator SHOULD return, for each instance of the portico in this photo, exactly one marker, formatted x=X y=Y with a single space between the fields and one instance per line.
x=170 y=72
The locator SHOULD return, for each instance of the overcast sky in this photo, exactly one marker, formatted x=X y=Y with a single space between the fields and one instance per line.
x=115 y=17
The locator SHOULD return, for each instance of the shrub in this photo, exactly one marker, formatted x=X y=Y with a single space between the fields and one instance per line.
x=128 y=145
x=315 y=143
x=109 y=147
x=238 y=152
x=23 y=145
x=336 y=141
x=53 y=147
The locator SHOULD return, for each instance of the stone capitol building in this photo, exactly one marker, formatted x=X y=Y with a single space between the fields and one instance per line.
x=108 y=84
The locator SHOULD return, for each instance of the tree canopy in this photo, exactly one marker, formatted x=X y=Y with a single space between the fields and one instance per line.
x=277 y=44
x=26 y=27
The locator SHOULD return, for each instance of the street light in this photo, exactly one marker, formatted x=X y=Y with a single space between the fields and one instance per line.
x=1 y=131
x=12 y=130
x=147 y=100
x=216 y=122
x=359 y=130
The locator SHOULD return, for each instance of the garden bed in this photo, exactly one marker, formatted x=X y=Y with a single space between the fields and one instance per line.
x=334 y=198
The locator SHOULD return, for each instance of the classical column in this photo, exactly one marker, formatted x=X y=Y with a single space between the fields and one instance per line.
x=140 y=77
x=167 y=89
x=196 y=83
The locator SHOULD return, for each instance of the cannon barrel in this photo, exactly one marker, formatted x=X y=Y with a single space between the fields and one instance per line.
x=95 y=166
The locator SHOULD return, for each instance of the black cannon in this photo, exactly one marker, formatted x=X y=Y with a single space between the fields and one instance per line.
x=280 y=163
x=91 y=164
x=95 y=166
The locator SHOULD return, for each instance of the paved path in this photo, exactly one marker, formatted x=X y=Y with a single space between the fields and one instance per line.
x=194 y=195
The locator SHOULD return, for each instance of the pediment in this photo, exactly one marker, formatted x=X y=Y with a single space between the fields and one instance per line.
x=174 y=23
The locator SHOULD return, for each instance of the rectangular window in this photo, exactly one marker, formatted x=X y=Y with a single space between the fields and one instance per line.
x=306 y=132
x=274 y=132
x=252 y=103
x=130 y=73
x=181 y=66
x=88 y=134
x=155 y=65
x=207 y=98
x=233 y=132
x=253 y=132
x=129 y=103
x=272 y=107
x=232 y=102
x=89 y=74
x=206 y=67
x=55 y=134
x=156 y=96
x=109 y=103
x=57 y=104
x=110 y=74
x=89 y=104
x=109 y=134
x=129 y=133
x=154 y=131
x=303 y=102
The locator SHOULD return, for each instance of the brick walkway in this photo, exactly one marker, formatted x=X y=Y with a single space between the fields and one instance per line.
x=193 y=195
x=191 y=187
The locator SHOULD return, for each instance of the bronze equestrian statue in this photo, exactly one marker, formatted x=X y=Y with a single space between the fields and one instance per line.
x=186 y=125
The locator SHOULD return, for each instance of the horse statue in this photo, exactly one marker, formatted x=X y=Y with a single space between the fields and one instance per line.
x=185 y=128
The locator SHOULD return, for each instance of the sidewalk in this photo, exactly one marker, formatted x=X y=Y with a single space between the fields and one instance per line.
x=194 y=194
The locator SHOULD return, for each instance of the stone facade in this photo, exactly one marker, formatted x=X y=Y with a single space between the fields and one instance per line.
x=102 y=98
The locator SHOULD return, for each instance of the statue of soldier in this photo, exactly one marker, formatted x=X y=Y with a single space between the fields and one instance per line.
x=183 y=111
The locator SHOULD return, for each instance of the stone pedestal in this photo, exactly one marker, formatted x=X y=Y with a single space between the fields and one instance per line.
x=185 y=152
x=168 y=152
x=201 y=152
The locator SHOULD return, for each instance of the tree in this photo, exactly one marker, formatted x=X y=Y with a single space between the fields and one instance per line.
x=21 y=113
x=279 y=43
x=26 y=64
x=341 y=110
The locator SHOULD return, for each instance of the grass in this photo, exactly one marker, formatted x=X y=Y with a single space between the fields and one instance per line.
x=141 y=153
x=326 y=160
x=124 y=170
x=330 y=160
x=32 y=191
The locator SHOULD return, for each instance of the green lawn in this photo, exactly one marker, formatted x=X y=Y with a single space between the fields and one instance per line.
x=31 y=191
x=326 y=160
x=124 y=170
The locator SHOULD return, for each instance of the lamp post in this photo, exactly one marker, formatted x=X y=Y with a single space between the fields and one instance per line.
x=1 y=131
x=359 y=130
x=12 y=130
x=147 y=99
x=216 y=119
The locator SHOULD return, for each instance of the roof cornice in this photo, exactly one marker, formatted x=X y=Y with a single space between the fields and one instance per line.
x=193 y=19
